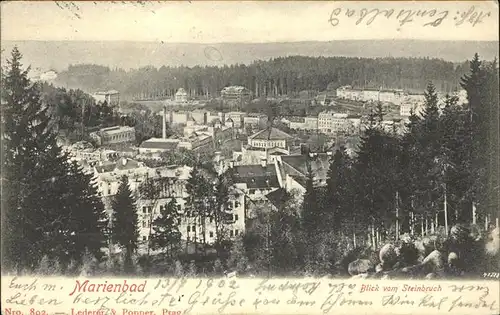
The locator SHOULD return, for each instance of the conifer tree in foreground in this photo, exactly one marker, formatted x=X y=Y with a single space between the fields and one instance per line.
x=481 y=85
x=336 y=196
x=125 y=230
x=311 y=216
x=49 y=208
x=166 y=233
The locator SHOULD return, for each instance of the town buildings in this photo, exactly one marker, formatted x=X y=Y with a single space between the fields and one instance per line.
x=193 y=227
x=156 y=146
x=90 y=154
x=252 y=120
x=270 y=138
x=236 y=96
x=293 y=170
x=256 y=180
x=395 y=96
x=181 y=96
x=326 y=98
x=238 y=118
x=264 y=145
x=307 y=123
x=213 y=116
x=330 y=122
x=108 y=175
x=111 y=97
x=112 y=135
x=409 y=107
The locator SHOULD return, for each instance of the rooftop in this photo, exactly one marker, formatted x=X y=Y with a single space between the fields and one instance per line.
x=234 y=88
x=320 y=163
x=105 y=167
x=160 y=143
x=255 y=115
x=271 y=133
x=296 y=119
x=116 y=129
x=122 y=164
x=277 y=197
x=110 y=92
x=256 y=176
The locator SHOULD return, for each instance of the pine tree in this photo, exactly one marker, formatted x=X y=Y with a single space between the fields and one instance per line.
x=166 y=233
x=336 y=196
x=427 y=160
x=49 y=208
x=379 y=113
x=311 y=216
x=284 y=241
x=200 y=196
x=481 y=85
x=493 y=127
x=151 y=190
x=238 y=259
x=85 y=228
x=125 y=230
x=219 y=208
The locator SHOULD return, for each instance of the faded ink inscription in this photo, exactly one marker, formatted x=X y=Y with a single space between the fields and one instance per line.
x=427 y=18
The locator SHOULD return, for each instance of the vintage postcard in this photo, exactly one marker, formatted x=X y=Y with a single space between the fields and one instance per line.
x=249 y=157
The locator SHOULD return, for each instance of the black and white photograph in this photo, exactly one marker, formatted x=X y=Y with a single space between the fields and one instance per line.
x=251 y=139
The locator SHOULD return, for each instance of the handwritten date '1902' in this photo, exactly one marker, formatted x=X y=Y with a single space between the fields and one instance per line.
x=434 y=17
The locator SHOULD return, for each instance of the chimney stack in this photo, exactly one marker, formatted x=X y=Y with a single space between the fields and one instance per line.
x=164 y=133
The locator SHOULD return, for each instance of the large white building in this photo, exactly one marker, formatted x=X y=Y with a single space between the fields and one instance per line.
x=236 y=95
x=255 y=120
x=112 y=135
x=293 y=170
x=270 y=138
x=192 y=228
x=264 y=145
x=181 y=96
x=330 y=122
x=395 y=96
x=255 y=181
x=111 y=97
x=409 y=107
x=309 y=123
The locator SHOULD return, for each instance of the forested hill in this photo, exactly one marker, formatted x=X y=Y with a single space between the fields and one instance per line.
x=278 y=76
x=129 y=55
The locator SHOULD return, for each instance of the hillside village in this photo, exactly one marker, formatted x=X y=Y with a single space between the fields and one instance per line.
x=274 y=183
x=265 y=161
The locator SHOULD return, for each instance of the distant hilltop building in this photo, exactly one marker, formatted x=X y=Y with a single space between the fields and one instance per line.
x=181 y=96
x=38 y=75
x=48 y=76
x=236 y=95
x=111 y=97
x=395 y=96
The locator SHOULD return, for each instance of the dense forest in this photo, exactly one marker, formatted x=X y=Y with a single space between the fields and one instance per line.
x=278 y=76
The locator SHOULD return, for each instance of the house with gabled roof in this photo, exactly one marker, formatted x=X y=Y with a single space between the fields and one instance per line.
x=270 y=137
x=293 y=170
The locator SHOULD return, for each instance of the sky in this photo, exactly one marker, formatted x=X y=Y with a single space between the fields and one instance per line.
x=248 y=21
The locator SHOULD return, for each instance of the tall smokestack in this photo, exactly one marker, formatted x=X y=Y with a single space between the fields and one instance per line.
x=164 y=133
